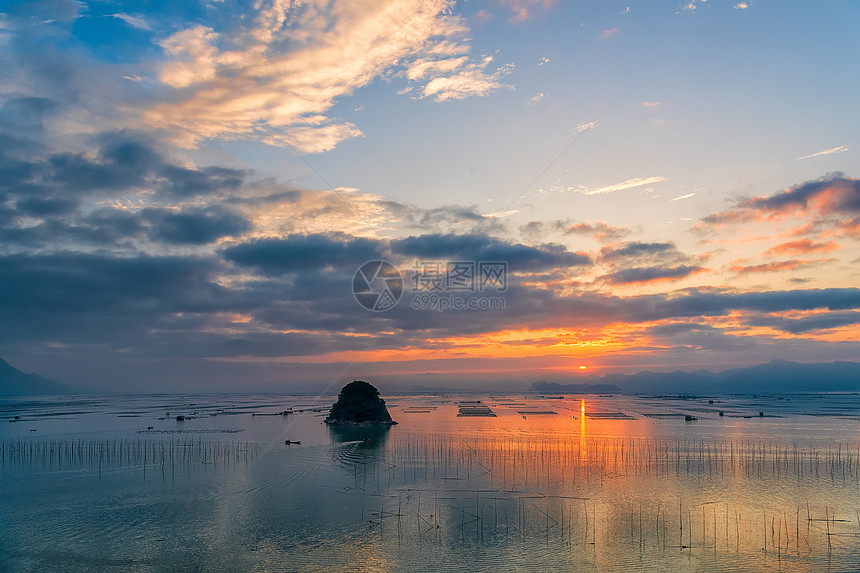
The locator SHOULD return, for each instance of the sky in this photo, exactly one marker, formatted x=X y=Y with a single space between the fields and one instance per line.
x=190 y=192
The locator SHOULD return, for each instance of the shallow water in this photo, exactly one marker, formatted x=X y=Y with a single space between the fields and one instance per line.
x=630 y=484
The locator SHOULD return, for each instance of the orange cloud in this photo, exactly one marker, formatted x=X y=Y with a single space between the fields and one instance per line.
x=771 y=267
x=802 y=246
x=833 y=201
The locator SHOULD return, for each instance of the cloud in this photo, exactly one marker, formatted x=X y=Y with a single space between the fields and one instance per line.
x=624 y=185
x=482 y=248
x=640 y=275
x=830 y=195
x=586 y=126
x=831 y=151
x=636 y=250
x=543 y=61
x=650 y=104
x=600 y=231
x=608 y=33
x=831 y=202
x=68 y=294
x=523 y=9
x=278 y=74
x=195 y=226
x=639 y=262
x=535 y=99
x=123 y=161
x=801 y=247
x=470 y=80
x=483 y=15
x=816 y=322
x=133 y=21
x=776 y=266
x=298 y=253
x=742 y=5
x=682 y=197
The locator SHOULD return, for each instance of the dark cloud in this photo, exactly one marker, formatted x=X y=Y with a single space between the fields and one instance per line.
x=184 y=182
x=25 y=115
x=700 y=303
x=38 y=207
x=42 y=195
x=115 y=227
x=650 y=274
x=297 y=253
x=196 y=226
x=124 y=162
x=699 y=336
x=52 y=233
x=639 y=262
x=829 y=200
x=807 y=324
x=845 y=195
x=484 y=248
x=82 y=299
x=636 y=249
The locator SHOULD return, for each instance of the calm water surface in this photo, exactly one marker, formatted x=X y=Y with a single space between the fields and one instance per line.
x=118 y=484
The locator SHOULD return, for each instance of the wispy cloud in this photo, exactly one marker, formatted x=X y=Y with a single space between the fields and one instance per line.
x=468 y=80
x=609 y=32
x=500 y=214
x=586 y=126
x=133 y=21
x=535 y=99
x=624 y=185
x=650 y=103
x=543 y=62
x=830 y=151
x=801 y=247
x=682 y=197
x=742 y=5
x=523 y=9
x=774 y=267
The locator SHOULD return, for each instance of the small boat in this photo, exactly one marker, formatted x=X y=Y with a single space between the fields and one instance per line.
x=288 y=442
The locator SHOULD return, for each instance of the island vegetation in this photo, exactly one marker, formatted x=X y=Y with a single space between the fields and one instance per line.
x=358 y=403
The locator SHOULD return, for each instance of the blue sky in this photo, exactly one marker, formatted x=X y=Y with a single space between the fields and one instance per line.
x=217 y=171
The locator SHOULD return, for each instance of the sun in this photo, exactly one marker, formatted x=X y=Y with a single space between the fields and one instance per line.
x=583 y=367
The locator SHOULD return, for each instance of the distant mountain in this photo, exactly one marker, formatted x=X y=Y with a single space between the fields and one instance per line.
x=13 y=382
x=555 y=388
x=784 y=376
x=775 y=376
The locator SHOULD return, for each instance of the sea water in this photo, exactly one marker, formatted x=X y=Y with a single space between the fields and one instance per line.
x=118 y=483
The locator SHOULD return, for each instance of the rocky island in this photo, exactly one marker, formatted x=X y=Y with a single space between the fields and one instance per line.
x=358 y=403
